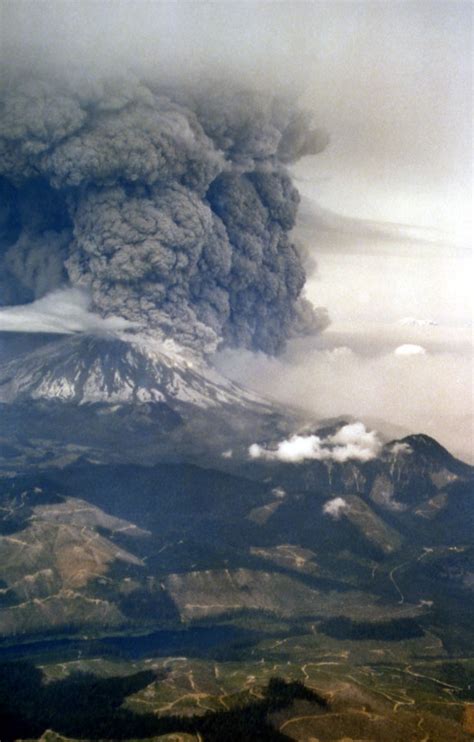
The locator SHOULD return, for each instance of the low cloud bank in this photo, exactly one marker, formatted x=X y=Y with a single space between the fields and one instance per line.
x=64 y=311
x=350 y=442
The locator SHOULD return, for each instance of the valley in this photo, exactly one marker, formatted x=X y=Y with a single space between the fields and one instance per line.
x=364 y=682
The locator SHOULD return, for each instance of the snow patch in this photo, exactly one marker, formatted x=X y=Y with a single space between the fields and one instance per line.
x=335 y=507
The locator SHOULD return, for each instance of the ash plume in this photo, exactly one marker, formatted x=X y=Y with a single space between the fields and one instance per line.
x=171 y=207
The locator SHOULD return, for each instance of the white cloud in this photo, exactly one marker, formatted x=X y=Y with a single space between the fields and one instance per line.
x=295 y=449
x=64 y=312
x=355 y=434
x=400 y=449
x=408 y=349
x=350 y=442
x=335 y=507
x=279 y=492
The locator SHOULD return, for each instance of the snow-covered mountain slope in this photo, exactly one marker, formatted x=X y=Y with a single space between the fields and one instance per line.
x=129 y=369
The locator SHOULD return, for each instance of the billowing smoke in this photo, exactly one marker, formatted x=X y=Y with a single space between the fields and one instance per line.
x=171 y=207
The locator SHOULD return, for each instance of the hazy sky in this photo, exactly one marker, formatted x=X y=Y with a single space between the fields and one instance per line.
x=398 y=104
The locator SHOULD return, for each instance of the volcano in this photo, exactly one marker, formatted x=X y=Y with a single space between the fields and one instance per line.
x=91 y=370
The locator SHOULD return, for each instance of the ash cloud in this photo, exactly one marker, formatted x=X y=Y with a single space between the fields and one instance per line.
x=170 y=205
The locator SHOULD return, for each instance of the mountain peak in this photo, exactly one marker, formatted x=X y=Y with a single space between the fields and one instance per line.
x=427 y=447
